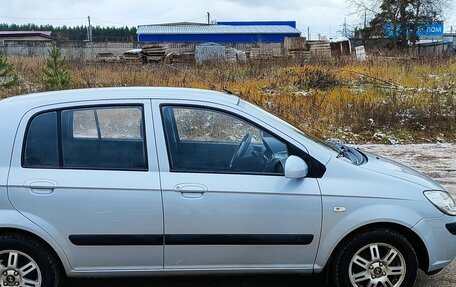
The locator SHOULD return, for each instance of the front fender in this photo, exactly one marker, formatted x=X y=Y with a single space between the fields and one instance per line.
x=360 y=212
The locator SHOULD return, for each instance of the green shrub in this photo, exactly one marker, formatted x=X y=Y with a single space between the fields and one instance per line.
x=8 y=77
x=57 y=74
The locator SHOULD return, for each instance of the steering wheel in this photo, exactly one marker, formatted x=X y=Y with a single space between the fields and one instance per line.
x=242 y=149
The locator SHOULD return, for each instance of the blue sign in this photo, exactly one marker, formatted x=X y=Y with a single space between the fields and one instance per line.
x=424 y=30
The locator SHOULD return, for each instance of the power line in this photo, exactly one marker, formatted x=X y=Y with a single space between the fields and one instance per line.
x=108 y=22
x=193 y=19
x=99 y=23
x=31 y=18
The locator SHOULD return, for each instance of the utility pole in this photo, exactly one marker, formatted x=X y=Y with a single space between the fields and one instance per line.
x=89 y=30
x=208 y=18
x=308 y=33
x=345 y=29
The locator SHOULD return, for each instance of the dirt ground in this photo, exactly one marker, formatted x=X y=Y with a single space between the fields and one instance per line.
x=436 y=160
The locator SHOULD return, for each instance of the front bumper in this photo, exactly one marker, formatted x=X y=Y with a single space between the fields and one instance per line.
x=438 y=234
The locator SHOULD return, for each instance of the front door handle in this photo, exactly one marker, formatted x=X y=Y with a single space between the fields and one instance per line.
x=191 y=190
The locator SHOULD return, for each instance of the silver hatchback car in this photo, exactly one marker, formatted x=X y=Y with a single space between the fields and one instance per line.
x=144 y=181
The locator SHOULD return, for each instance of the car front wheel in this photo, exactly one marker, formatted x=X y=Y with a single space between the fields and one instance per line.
x=376 y=258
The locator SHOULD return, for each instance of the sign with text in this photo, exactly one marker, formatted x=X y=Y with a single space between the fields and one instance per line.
x=360 y=53
x=424 y=30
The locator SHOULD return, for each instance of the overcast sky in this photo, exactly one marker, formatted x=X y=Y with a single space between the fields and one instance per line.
x=322 y=16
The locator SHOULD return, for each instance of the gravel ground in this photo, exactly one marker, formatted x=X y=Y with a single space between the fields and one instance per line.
x=436 y=160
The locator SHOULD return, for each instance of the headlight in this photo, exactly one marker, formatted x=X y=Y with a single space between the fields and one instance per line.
x=442 y=200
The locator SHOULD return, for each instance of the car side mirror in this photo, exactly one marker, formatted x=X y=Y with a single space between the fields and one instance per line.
x=296 y=167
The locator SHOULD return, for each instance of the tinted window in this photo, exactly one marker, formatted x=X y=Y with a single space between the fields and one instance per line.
x=84 y=125
x=120 y=123
x=41 y=144
x=108 y=137
x=88 y=138
x=207 y=140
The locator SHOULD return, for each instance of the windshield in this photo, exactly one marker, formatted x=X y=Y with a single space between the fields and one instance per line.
x=340 y=151
x=291 y=128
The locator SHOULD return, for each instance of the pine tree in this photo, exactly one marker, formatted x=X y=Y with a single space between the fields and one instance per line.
x=8 y=78
x=58 y=76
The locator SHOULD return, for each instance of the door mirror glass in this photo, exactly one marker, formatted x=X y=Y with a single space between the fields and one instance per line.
x=296 y=167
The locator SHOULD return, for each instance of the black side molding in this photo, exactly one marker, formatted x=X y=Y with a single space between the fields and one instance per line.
x=238 y=239
x=192 y=239
x=116 y=240
x=451 y=228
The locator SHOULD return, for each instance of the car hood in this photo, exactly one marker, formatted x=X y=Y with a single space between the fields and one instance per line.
x=389 y=167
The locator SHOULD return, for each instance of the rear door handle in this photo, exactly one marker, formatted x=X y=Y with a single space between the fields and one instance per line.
x=191 y=190
x=41 y=186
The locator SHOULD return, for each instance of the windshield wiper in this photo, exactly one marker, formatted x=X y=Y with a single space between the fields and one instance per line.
x=352 y=154
x=342 y=152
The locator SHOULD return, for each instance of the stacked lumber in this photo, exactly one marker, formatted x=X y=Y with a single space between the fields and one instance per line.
x=133 y=56
x=320 y=49
x=277 y=52
x=301 y=55
x=258 y=53
x=297 y=48
x=188 y=57
x=295 y=44
x=153 y=52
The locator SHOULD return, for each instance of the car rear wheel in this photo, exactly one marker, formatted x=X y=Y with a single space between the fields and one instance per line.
x=376 y=258
x=25 y=263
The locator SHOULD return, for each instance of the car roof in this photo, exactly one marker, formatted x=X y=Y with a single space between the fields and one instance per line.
x=122 y=93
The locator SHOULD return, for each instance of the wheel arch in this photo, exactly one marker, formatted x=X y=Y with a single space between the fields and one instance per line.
x=414 y=239
x=37 y=238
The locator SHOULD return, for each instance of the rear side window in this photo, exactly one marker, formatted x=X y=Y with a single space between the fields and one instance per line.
x=94 y=138
x=107 y=137
x=41 y=145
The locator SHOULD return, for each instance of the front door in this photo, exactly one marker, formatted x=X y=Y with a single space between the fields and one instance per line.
x=227 y=203
x=84 y=174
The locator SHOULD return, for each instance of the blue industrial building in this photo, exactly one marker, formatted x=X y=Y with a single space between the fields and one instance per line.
x=258 y=23
x=222 y=32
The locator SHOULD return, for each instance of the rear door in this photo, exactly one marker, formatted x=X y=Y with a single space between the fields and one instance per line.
x=84 y=173
x=223 y=211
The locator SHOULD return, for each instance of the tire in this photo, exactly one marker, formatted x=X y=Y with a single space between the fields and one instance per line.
x=39 y=268
x=379 y=257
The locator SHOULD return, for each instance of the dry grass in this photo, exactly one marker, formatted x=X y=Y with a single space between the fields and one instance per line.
x=348 y=100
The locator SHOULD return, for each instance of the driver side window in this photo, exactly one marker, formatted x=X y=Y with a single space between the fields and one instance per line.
x=213 y=141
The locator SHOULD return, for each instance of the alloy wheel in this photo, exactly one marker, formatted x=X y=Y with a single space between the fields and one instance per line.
x=377 y=265
x=18 y=269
